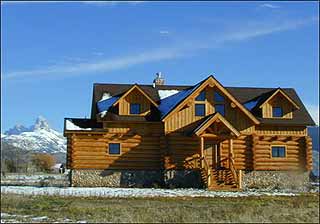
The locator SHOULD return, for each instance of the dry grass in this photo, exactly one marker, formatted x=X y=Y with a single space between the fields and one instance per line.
x=304 y=208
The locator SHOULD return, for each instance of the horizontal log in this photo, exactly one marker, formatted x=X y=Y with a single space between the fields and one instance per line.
x=271 y=168
x=125 y=163
x=276 y=160
x=102 y=167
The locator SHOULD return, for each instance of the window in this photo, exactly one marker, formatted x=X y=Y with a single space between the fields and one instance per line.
x=200 y=109
x=201 y=96
x=278 y=151
x=114 y=148
x=134 y=108
x=218 y=97
x=277 y=112
x=220 y=108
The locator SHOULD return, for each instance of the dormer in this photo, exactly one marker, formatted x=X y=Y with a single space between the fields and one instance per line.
x=135 y=102
x=278 y=105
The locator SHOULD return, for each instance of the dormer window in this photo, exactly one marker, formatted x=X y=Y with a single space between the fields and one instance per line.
x=135 y=108
x=201 y=96
x=277 y=112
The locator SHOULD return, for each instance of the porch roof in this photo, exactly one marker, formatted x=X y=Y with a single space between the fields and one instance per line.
x=216 y=117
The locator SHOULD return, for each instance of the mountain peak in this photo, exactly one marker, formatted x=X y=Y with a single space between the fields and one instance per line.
x=41 y=123
x=16 y=130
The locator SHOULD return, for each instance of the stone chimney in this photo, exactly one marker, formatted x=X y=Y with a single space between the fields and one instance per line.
x=158 y=80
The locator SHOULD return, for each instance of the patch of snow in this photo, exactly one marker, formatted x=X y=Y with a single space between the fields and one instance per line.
x=166 y=93
x=72 y=127
x=56 y=166
x=39 y=218
x=103 y=113
x=133 y=192
x=105 y=96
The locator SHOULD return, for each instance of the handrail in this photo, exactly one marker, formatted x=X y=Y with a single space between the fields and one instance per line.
x=205 y=166
x=237 y=177
x=193 y=161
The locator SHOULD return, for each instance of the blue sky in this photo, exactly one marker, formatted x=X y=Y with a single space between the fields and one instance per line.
x=52 y=53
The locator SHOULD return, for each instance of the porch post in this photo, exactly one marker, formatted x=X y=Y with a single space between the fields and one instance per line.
x=230 y=150
x=202 y=150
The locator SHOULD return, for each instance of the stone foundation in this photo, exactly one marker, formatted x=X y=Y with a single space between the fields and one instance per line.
x=116 y=178
x=135 y=178
x=182 y=179
x=276 y=180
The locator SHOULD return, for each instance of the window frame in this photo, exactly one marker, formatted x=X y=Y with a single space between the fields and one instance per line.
x=112 y=154
x=204 y=109
x=278 y=146
x=131 y=104
x=277 y=107
x=203 y=92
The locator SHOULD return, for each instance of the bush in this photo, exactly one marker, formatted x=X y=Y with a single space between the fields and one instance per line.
x=44 y=161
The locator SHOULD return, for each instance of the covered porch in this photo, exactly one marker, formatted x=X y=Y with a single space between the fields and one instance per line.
x=216 y=161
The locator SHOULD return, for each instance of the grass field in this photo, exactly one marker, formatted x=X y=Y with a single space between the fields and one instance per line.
x=303 y=208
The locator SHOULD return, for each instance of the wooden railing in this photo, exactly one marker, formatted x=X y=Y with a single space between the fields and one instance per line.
x=207 y=170
x=192 y=162
x=237 y=175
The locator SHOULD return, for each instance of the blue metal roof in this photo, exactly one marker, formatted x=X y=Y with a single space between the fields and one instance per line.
x=104 y=105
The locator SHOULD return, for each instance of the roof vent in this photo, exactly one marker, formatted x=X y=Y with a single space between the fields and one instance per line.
x=158 y=80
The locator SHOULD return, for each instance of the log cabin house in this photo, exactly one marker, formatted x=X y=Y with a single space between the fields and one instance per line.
x=202 y=135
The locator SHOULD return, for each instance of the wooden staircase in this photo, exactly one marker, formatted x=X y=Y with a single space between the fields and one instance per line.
x=220 y=179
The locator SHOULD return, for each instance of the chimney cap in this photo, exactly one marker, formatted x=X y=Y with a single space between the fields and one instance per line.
x=158 y=80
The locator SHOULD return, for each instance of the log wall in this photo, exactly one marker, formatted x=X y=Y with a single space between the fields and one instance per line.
x=139 y=148
x=295 y=158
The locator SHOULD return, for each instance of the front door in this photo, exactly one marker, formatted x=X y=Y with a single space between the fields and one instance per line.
x=212 y=154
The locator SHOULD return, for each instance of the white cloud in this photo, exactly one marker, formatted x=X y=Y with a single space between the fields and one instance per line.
x=164 y=32
x=314 y=112
x=182 y=49
x=270 y=6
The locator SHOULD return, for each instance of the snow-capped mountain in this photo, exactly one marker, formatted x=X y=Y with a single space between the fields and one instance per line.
x=39 y=138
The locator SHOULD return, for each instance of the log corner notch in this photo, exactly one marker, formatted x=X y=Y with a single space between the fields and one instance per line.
x=255 y=142
x=308 y=148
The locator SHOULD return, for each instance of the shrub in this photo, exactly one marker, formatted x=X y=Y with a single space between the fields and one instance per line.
x=43 y=161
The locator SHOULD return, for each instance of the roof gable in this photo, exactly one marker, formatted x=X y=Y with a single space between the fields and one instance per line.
x=279 y=91
x=215 y=118
x=135 y=86
x=176 y=101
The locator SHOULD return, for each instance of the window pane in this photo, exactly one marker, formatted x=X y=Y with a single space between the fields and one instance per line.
x=220 y=108
x=134 y=108
x=201 y=96
x=218 y=97
x=278 y=151
x=282 y=151
x=200 y=109
x=277 y=112
x=274 y=151
x=114 y=148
